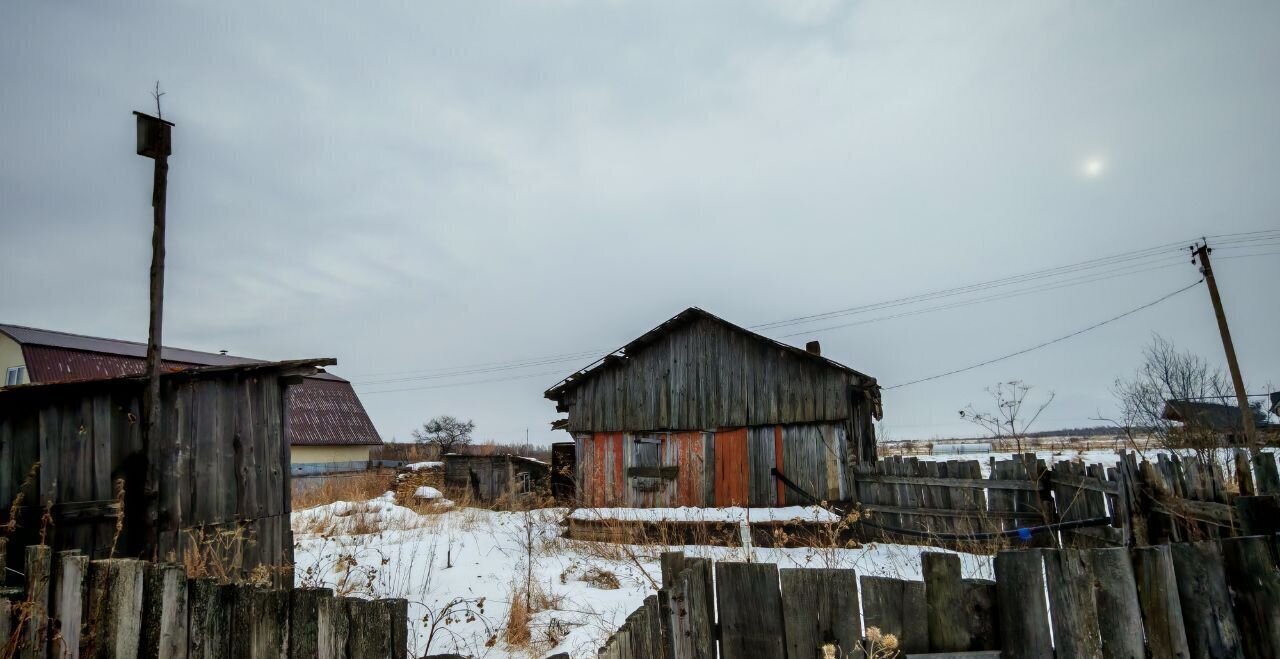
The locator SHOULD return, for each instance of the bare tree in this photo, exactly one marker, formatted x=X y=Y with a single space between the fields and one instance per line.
x=446 y=433
x=1008 y=422
x=1169 y=374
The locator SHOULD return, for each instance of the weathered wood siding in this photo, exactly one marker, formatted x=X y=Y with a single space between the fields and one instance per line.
x=220 y=467
x=703 y=376
x=728 y=467
x=493 y=477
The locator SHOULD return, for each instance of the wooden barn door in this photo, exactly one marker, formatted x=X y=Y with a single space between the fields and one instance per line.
x=732 y=470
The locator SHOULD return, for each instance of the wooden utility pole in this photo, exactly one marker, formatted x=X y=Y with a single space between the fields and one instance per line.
x=154 y=142
x=1237 y=381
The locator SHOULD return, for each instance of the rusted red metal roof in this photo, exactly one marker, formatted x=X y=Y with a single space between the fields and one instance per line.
x=323 y=410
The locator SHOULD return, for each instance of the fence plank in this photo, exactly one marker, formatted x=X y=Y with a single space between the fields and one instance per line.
x=367 y=636
x=1116 y=597
x=979 y=597
x=1024 y=616
x=1255 y=588
x=36 y=633
x=1072 y=606
x=398 y=611
x=68 y=605
x=821 y=607
x=333 y=623
x=1258 y=515
x=1206 y=605
x=164 y=607
x=115 y=604
x=948 y=627
x=210 y=618
x=898 y=607
x=304 y=621
x=750 y=607
x=1158 y=597
x=692 y=618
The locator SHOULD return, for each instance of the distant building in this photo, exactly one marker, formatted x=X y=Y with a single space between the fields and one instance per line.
x=702 y=412
x=328 y=428
x=1219 y=419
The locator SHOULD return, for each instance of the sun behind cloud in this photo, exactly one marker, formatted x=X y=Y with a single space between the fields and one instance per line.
x=1093 y=166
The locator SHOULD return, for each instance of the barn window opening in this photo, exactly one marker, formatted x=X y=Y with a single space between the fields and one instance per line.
x=645 y=452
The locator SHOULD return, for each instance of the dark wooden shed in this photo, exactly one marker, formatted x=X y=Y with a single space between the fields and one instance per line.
x=490 y=478
x=215 y=480
x=702 y=412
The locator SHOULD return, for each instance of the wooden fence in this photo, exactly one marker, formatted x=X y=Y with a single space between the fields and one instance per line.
x=1214 y=599
x=74 y=607
x=1133 y=502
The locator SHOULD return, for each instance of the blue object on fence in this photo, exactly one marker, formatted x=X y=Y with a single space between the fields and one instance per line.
x=1024 y=534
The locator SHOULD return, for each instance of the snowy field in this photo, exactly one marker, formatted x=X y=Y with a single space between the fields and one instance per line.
x=1105 y=457
x=461 y=568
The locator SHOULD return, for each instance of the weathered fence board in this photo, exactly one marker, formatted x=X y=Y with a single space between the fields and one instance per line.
x=1116 y=596
x=1255 y=594
x=821 y=608
x=750 y=608
x=1024 y=616
x=898 y=607
x=1161 y=607
x=1206 y=603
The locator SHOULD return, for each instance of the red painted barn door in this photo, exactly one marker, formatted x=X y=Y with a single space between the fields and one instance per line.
x=731 y=467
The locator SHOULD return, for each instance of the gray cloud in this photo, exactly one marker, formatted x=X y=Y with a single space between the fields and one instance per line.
x=441 y=185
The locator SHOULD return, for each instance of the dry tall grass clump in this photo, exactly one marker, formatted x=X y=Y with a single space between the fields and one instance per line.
x=360 y=486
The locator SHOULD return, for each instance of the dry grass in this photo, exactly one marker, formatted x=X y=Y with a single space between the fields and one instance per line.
x=360 y=486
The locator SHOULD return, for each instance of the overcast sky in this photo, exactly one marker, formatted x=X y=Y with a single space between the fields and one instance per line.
x=421 y=188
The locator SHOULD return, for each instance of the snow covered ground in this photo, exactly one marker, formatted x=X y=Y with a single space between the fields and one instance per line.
x=1105 y=457
x=459 y=570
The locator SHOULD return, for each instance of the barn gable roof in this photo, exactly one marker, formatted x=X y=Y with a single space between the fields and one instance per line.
x=323 y=410
x=674 y=323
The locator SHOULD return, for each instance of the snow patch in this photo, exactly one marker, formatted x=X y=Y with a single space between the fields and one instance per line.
x=732 y=515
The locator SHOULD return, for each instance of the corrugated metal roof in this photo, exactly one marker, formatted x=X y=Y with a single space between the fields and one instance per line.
x=676 y=321
x=327 y=412
x=324 y=409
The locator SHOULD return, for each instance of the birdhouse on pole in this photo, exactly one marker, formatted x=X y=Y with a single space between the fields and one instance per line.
x=153 y=136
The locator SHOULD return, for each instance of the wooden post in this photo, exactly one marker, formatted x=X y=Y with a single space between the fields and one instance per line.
x=164 y=612
x=68 y=605
x=369 y=636
x=1071 y=602
x=1255 y=591
x=1206 y=604
x=155 y=142
x=898 y=607
x=304 y=621
x=1024 y=617
x=1244 y=474
x=333 y=628
x=1237 y=380
x=398 y=612
x=268 y=622
x=115 y=607
x=821 y=607
x=36 y=633
x=750 y=607
x=948 y=628
x=210 y=619
x=1116 y=595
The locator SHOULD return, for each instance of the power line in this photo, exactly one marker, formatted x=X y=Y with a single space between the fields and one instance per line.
x=1125 y=261
x=1047 y=343
x=991 y=298
x=462 y=384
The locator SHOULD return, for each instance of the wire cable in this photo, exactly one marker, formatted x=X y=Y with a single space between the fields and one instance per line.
x=1047 y=343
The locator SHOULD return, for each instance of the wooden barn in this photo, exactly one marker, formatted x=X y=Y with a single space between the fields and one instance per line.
x=702 y=412
x=215 y=480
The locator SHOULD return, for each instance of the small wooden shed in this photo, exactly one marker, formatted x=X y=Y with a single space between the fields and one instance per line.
x=702 y=412
x=214 y=480
x=490 y=478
